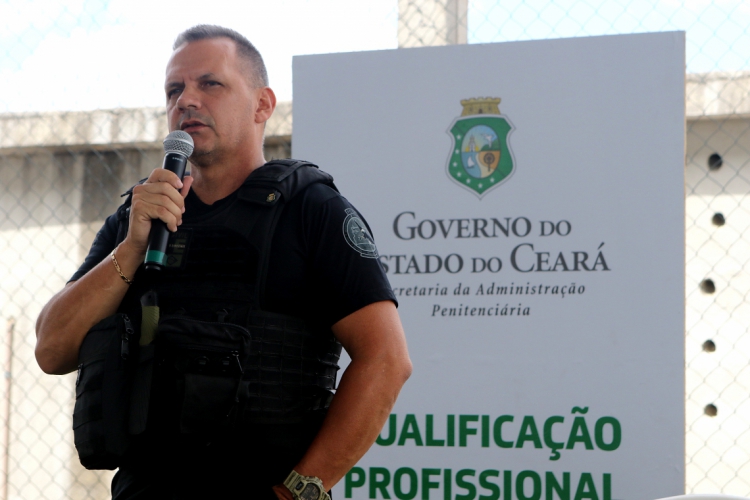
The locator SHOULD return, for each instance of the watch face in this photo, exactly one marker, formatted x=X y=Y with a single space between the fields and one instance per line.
x=311 y=492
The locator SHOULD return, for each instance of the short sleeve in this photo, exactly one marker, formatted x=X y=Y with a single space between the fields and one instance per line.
x=103 y=244
x=341 y=272
x=344 y=258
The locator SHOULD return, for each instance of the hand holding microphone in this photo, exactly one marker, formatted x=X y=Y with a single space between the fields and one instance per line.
x=178 y=146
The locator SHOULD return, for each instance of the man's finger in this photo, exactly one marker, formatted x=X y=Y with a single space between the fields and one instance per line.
x=187 y=181
x=164 y=200
x=155 y=189
x=163 y=175
x=143 y=211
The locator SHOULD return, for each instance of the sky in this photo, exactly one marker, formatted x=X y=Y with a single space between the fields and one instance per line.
x=90 y=54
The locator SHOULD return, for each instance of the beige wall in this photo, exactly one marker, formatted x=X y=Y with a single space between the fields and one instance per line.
x=718 y=448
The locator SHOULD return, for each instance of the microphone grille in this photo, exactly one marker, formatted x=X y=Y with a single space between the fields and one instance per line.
x=179 y=142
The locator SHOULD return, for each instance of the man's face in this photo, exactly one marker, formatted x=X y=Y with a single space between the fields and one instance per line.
x=209 y=96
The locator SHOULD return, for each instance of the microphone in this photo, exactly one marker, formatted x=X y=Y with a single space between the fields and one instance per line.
x=178 y=146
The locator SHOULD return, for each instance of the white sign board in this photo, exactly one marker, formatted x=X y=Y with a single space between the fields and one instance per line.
x=527 y=201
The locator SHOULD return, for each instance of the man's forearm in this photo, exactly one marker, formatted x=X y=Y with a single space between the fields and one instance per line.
x=375 y=340
x=67 y=317
x=363 y=401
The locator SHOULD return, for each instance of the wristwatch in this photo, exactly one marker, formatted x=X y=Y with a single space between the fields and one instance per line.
x=305 y=487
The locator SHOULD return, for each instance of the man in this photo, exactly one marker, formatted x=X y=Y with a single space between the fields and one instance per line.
x=217 y=91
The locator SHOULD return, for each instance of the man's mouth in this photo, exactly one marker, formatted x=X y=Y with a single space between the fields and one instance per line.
x=192 y=125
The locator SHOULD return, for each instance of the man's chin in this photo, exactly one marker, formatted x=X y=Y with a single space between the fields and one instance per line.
x=202 y=157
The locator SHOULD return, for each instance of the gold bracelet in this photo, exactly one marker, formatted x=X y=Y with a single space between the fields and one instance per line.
x=117 y=266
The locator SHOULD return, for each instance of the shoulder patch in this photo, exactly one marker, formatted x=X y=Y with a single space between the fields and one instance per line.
x=357 y=235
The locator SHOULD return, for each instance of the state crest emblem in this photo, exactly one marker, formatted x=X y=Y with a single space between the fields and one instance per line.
x=480 y=158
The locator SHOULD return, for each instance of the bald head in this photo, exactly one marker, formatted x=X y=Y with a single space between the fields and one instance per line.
x=246 y=51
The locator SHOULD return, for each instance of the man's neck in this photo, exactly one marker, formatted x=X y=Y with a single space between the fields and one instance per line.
x=215 y=182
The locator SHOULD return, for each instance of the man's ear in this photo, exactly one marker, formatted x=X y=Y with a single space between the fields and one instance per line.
x=266 y=105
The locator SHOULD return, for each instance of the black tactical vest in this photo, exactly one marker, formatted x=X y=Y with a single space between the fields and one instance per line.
x=219 y=361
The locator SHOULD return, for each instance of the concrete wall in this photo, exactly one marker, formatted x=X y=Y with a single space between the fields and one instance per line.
x=717 y=447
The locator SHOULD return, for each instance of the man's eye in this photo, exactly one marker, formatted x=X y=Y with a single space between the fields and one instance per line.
x=171 y=93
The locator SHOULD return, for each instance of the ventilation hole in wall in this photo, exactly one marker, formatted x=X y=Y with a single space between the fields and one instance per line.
x=715 y=161
x=708 y=286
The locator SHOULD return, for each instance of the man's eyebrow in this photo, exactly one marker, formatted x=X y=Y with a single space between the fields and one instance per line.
x=172 y=85
x=178 y=85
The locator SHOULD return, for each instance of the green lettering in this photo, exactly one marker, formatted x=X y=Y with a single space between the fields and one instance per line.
x=497 y=431
x=485 y=483
x=586 y=482
x=536 y=482
x=350 y=482
x=528 y=432
x=471 y=490
x=551 y=443
x=391 y=432
x=447 y=485
x=607 y=495
x=413 y=483
x=485 y=431
x=428 y=485
x=451 y=424
x=430 y=440
x=410 y=430
x=616 y=434
x=464 y=431
x=579 y=433
x=381 y=483
x=507 y=483
x=550 y=483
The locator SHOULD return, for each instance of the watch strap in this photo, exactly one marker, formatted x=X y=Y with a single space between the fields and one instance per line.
x=296 y=482
x=291 y=481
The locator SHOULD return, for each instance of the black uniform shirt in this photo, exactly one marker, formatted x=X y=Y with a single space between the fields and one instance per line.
x=316 y=269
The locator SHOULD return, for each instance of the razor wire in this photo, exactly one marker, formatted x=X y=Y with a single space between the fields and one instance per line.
x=62 y=172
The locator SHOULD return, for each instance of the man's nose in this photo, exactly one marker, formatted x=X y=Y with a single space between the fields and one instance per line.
x=189 y=98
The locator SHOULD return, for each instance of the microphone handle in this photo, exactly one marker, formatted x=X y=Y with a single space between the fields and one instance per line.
x=156 y=253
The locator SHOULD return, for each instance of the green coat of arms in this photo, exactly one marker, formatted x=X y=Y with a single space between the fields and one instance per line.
x=480 y=158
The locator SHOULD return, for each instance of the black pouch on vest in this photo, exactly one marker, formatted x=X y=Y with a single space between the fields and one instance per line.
x=140 y=394
x=201 y=364
x=100 y=415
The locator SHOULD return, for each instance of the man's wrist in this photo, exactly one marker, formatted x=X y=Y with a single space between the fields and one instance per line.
x=118 y=268
x=282 y=492
x=132 y=250
x=131 y=254
x=129 y=257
